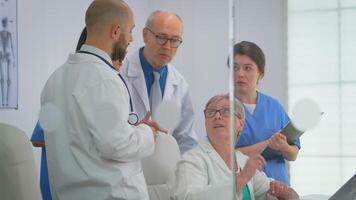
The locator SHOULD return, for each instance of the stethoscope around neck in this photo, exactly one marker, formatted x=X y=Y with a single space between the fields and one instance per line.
x=133 y=117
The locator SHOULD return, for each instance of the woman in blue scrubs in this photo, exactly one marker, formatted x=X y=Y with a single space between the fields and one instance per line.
x=265 y=116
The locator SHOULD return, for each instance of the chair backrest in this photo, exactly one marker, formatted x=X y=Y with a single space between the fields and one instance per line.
x=18 y=174
x=159 y=168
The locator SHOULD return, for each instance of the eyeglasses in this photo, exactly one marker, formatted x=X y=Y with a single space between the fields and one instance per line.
x=224 y=112
x=162 y=39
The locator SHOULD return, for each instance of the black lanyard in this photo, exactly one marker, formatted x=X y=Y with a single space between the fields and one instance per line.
x=110 y=65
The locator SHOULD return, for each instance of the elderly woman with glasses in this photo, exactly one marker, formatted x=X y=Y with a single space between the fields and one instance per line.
x=205 y=172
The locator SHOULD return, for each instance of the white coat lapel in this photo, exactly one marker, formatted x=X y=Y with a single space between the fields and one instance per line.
x=209 y=149
x=136 y=77
x=171 y=84
x=140 y=87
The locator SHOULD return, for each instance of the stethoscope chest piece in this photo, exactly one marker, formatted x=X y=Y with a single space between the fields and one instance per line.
x=133 y=118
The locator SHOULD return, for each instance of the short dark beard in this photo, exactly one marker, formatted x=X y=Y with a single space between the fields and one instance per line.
x=118 y=51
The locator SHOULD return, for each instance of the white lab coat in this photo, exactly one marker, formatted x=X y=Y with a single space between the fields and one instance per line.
x=93 y=153
x=176 y=90
x=202 y=174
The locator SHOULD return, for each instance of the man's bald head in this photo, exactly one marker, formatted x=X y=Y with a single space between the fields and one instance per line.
x=159 y=15
x=102 y=14
x=109 y=26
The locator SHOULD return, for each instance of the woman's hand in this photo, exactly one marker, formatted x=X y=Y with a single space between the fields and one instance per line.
x=152 y=124
x=278 y=189
x=255 y=162
x=278 y=142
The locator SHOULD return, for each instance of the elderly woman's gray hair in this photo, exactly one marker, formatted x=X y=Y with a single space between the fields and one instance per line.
x=239 y=109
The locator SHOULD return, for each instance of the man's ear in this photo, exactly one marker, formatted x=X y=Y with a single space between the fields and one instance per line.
x=115 y=32
x=145 y=35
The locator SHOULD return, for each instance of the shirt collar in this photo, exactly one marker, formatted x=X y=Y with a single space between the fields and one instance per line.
x=96 y=51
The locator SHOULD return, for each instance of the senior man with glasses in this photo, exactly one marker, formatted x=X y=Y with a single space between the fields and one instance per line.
x=152 y=79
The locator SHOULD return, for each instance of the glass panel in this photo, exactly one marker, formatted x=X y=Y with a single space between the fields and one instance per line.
x=312 y=47
x=303 y=5
x=348 y=110
x=204 y=65
x=347 y=3
x=348 y=169
x=348 y=45
x=321 y=51
x=326 y=134
x=316 y=175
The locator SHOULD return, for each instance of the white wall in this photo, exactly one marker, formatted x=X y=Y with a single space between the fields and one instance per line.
x=265 y=23
x=48 y=30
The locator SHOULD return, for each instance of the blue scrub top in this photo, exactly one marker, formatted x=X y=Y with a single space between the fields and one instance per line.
x=37 y=135
x=268 y=117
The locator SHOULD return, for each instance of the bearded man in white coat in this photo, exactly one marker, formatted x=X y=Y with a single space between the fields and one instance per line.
x=92 y=150
x=162 y=36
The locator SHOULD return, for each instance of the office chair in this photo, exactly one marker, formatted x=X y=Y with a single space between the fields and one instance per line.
x=159 y=168
x=18 y=174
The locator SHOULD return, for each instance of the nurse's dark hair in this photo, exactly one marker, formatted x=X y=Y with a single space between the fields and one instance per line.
x=253 y=51
x=82 y=38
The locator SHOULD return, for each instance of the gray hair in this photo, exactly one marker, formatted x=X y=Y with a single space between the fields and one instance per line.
x=150 y=19
x=239 y=109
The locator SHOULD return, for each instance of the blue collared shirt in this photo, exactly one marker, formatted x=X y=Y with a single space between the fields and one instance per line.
x=148 y=73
